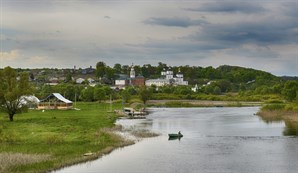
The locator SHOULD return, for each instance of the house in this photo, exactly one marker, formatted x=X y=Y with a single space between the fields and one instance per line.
x=138 y=81
x=122 y=80
x=55 y=101
x=90 y=80
x=53 y=80
x=80 y=80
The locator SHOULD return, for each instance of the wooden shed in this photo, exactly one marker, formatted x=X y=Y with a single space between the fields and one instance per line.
x=55 y=101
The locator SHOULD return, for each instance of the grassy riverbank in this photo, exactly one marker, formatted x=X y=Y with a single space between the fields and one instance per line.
x=282 y=112
x=40 y=141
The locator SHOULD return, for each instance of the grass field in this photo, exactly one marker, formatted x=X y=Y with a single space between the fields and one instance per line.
x=40 y=141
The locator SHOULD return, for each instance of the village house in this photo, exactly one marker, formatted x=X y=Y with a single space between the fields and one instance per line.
x=90 y=80
x=80 y=80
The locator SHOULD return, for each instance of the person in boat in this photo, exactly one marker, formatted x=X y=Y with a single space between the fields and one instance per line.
x=179 y=133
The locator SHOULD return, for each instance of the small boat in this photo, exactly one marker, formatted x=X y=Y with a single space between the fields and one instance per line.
x=175 y=135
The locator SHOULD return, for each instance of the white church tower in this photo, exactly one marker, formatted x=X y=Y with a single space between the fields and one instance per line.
x=169 y=74
x=132 y=72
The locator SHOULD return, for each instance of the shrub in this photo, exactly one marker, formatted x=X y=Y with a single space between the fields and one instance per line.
x=272 y=107
x=274 y=101
x=291 y=107
x=178 y=104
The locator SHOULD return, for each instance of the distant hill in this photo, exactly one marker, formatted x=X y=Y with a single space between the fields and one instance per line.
x=242 y=74
x=289 y=78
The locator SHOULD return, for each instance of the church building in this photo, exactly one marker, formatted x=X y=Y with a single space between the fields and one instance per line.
x=131 y=80
x=167 y=78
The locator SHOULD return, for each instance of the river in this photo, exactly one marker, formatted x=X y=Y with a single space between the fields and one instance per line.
x=225 y=140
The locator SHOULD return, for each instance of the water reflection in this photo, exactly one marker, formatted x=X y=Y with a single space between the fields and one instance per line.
x=291 y=128
x=175 y=138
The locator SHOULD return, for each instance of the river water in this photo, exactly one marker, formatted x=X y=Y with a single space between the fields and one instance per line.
x=224 y=140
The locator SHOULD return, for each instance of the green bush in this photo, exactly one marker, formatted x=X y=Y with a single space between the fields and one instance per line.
x=178 y=104
x=272 y=107
x=291 y=107
x=161 y=96
x=274 y=101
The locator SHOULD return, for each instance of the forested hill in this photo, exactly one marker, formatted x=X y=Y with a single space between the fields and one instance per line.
x=234 y=74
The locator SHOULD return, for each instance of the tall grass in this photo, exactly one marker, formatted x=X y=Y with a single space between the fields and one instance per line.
x=282 y=112
x=178 y=104
x=273 y=107
x=8 y=160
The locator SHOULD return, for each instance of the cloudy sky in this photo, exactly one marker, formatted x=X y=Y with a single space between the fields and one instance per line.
x=260 y=34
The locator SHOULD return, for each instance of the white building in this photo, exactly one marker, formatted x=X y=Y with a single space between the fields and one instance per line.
x=195 y=88
x=121 y=81
x=90 y=80
x=157 y=82
x=132 y=72
x=167 y=79
x=179 y=79
x=80 y=80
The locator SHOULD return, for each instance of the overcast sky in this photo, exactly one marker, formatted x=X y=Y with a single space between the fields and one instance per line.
x=260 y=34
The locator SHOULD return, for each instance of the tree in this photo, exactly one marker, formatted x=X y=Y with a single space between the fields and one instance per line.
x=145 y=94
x=290 y=90
x=216 y=90
x=100 y=69
x=125 y=95
x=110 y=72
x=99 y=94
x=87 y=94
x=11 y=91
x=68 y=78
x=118 y=69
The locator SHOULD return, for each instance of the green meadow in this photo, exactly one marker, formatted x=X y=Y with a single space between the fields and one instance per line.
x=39 y=141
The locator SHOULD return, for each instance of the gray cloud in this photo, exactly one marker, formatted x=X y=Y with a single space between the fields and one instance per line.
x=174 y=21
x=268 y=31
x=177 y=46
x=229 y=7
x=290 y=9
